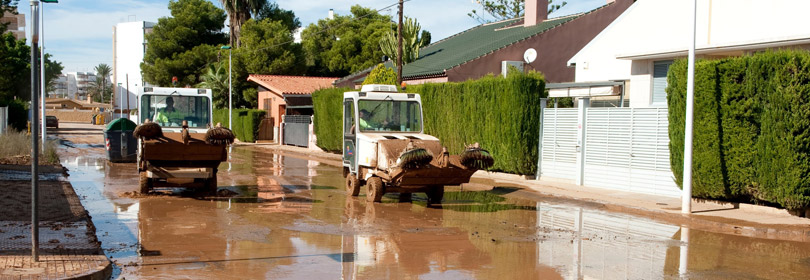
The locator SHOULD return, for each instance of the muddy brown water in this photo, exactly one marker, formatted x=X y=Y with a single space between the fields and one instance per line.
x=284 y=217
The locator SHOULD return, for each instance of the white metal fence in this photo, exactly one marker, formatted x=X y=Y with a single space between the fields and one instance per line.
x=624 y=149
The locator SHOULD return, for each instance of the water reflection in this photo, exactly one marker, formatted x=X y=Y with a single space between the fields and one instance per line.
x=286 y=217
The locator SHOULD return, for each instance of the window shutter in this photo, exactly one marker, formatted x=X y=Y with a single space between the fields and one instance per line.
x=660 y=69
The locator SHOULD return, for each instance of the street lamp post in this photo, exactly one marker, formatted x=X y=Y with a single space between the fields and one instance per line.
x=230 y=88
x=34 y=129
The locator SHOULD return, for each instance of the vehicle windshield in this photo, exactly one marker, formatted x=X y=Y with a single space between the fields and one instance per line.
x=172 y=110
x=389 y=115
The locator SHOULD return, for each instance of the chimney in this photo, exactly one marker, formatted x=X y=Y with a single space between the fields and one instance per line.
x=610 y=1
x=536 y=11
x=331 y=14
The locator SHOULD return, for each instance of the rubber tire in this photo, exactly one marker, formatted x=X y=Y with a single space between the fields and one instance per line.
x=352 y=185
x=435 y=194
x=376 y=190
x=145 y=183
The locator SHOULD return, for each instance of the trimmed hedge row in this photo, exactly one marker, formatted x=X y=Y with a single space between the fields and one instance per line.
x=327 y=118
x=751 y=128
x=245 y=121
x=502 y=114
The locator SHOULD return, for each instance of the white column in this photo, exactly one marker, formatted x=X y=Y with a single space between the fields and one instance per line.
x=582 y=105
x=42 y=70
x=686 y=200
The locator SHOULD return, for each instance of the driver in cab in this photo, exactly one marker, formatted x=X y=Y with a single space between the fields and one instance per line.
x=169 y=114
x=367 y=124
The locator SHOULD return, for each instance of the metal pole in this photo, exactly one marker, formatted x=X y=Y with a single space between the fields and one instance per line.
x=230 y=92
x=686 y=203
x=42 y=70
x=399 y=47
x=126 y=93
x=34 y=130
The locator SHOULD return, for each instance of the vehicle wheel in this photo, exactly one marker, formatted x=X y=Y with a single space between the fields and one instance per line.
x=145 y=183
x=435 y=194
x=211 y=184
x=375 y=189
x=352 y=185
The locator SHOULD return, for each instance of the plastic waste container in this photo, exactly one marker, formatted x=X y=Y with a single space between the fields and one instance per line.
x=120 y=142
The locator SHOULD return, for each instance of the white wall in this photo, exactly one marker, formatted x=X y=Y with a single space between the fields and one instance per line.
x=660 y=26
x=129 y=50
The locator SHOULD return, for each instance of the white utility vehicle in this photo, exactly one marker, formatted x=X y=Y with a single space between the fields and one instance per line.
x=385 y=148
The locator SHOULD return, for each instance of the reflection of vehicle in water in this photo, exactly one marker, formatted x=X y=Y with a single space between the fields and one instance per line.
x=181 y=155
x=384 y=147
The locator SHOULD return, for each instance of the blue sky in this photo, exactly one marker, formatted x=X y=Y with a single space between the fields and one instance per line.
x=79 y=32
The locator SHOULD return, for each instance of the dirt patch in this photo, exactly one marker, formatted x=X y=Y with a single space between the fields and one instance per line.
x=57 y=201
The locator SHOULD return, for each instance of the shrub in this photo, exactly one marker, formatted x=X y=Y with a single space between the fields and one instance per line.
x=17 y=113
x=18 y=144
x=381 y=75
x=751 y=129
x=245 y=122
x=502 y=114
x=328 y=112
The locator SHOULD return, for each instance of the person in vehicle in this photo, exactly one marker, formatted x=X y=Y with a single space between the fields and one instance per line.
x=169 y=114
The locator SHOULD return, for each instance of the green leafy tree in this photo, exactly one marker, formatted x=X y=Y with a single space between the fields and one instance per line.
x=239 y=12
x=381 y=75
x=52 y=71
x=216 y=79
x=411 y=41
x=267 y=49
x=272 y=11
x=182 y=45
x=345 y=44
x=507 y=9
x=102 y=72
x=15 y=68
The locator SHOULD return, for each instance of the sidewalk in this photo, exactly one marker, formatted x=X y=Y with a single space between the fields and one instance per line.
x=732 y=218
x=68 y=247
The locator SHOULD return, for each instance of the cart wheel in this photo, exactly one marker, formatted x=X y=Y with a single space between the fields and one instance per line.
x=435 y=194
x=211 y=185
x=352 y=185
x=375 y=189
x=145 y=183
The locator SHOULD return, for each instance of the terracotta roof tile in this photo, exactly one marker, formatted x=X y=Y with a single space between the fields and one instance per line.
x=292 y=84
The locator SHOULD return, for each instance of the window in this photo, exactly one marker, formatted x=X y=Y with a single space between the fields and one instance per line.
x=659 y=83
x=171 y=111
x=390 y=115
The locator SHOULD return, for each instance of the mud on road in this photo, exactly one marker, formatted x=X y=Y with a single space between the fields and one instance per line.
x=284 y=217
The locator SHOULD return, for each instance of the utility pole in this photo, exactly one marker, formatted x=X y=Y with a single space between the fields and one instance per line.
x=42 y=71
x=686 y=196
x=399 y=46
x=34 y=131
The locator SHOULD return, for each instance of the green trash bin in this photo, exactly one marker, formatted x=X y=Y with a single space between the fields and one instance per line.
x=120 y=142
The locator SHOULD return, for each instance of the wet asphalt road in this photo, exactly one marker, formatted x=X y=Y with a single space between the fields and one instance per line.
x=285 y=217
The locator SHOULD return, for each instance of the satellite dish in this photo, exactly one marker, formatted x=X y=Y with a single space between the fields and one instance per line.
x=530 y=55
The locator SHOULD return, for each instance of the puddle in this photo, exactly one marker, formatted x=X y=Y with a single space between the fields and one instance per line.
x=285 y=218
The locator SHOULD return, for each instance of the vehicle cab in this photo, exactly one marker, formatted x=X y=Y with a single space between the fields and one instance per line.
x=375 y=113
x=169 y=107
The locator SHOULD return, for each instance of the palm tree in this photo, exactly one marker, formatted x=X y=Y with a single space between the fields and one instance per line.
x=216 y=79
x=103 y=71
x=239 y=12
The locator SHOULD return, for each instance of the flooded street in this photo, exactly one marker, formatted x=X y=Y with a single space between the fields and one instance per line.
x=281 y=216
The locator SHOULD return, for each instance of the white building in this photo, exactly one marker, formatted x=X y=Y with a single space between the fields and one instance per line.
x=60 y=87
x=639 y=46
x=627 y=149
x=76 y=84
x=129 y=47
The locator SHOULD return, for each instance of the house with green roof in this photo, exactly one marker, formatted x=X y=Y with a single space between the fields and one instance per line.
x=484 y=49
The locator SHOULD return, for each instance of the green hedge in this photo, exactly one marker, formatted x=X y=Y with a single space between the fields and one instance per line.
x=328 y=112
x=503 y=114
x=751 y=129
x=245 y=121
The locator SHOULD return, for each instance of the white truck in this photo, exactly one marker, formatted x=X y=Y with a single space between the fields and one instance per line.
x=385 y=148
x=179 y=156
